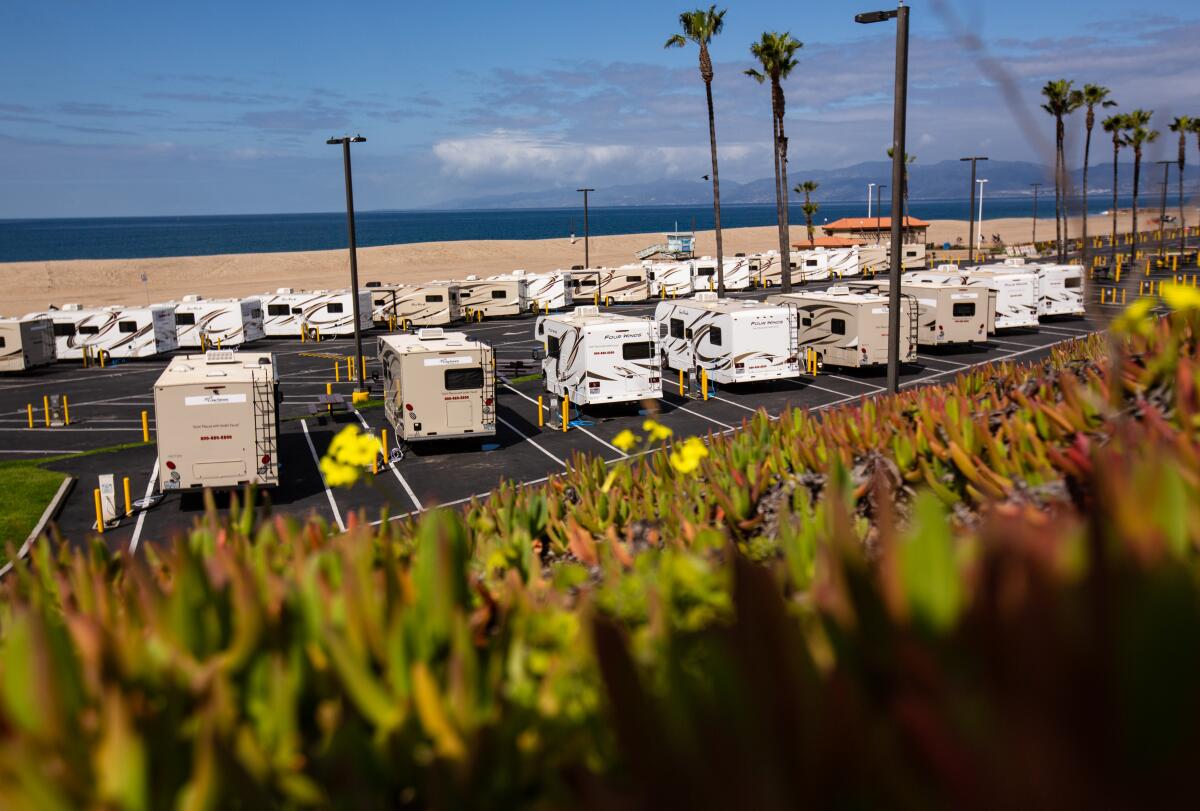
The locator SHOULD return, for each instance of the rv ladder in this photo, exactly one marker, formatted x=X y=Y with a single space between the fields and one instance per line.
x=914 y=317
x=793 y=333
x=488 y=358
x=264 y=425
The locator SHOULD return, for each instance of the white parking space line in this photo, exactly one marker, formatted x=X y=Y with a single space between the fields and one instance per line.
x=577 y=427
x=93 y=429
x=732 y=403
x=1017 y=344
x=391 y=465
x=317 y=461
x=934 y=359
x=41 y=452
x=528 y=439
x=687 y=410
x=141 y=519
x=871 y=386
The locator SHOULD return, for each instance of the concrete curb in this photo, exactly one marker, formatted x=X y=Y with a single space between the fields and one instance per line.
x=47 y=515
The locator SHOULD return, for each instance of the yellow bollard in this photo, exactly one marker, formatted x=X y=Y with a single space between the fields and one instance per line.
x=681 y=382
x=145 y=426
x=362 y=368
x=703 y=383
x=46 y=408
x=29 y=408
x=99 y=512
x=303 y=335
x=1174 y=263
x=541 y=414
x=596 y=298
x=566 y=415
x=1122 y=296
x=349 y=370
x=66 y=411
x=103 y=357
x=337 y=372
x=329 y=393
x=384 y=444
x=128 y=498
x=1118 y=276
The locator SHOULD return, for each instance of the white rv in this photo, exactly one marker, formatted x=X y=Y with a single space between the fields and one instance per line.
x=621 y=285
x=493 y=298
x=325 y=313
x=1015 y=289
x=438 y=385
x=217 y=421
x=948 y=313
x=429 y=304
x=26 y=343
x=594 y=357
x=384 y=296
x=734 y=340
x=1060 y=287
x=117 y=331
x=850 y=328
x=912 y=255
x=765 y=269
x=669 y=279
x=547 y=291
x=704 y=273
x=218 y=322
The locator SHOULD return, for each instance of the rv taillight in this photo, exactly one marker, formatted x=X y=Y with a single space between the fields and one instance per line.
x=593 y=384
x=654 y=380
x=487 y=401
x=266 y=460
x=408 y=406
x=170 y=465
x=739 y=366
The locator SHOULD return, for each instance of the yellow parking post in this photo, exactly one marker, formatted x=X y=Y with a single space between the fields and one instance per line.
x=101 y=354
x=337 y=372
x=1122 y=295
x=349 y=370
x=29 y=408
x=596 y=298
x=566 y=415
x=99 y=512
x=303 y=335
x=329 y=393
x=145 y=426
x=362 y=367
x=1118 y=275
x=46 y=408
x=541 y=414
x=66 y=411
x=128 y=498
x=703 y=383
x=681 y=382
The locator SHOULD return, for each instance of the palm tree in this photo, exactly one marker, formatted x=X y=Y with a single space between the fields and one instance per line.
x=1115 y=126
x=1183 y=124
x=909 y=160
x=1137 y=135
x=1093 y=95
x=809 y=208
x=1061 y=101
x=775 y=53
x=700 y=26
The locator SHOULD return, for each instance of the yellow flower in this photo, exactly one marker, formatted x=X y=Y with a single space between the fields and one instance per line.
x=608 y=480
x=350 y=452
x=1135 y=319
x=626 y=440
x=686 y=456
x=658 y=432
x=1181 y=297
x=337 y=474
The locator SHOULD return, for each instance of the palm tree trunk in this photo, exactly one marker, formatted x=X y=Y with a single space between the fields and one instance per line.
x=1113 y=239
x=712 y=143
x=1087 y=149
x=1066 y=203
x=1137 y=171
x=785 y=231
x=1058 y=191
x=1182 y=216
x=785 y=279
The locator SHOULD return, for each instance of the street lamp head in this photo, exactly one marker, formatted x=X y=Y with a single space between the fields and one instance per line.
x=334 y=140
x=357 y=139
x=868 y=17
x=974 y=158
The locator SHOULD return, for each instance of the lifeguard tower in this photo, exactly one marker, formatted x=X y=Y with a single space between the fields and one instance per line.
x=678 y=245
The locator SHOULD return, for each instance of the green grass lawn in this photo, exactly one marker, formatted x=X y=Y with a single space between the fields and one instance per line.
x=25 y=490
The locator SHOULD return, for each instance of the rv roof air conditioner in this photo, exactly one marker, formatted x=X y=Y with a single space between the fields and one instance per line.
x=374 y=284
x=283 y=291
x=70 y=308
x=1014 y=261
x=947 y=268
x=472 y=278
x=589 y=309
x=706 y=296
x=220 y=356
x=838 y=290
x=429 y=334
x=576 y=267
x=188 y=299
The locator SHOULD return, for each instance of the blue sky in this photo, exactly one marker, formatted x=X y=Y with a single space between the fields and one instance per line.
x=132 y=108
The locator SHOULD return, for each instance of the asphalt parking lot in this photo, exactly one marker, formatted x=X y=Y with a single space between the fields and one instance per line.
x=106 y=406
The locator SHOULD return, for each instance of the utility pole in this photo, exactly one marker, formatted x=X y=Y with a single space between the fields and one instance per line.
x=869 y=187
x=1162 y=207
x=899 y=115
x=971 y=210
x=359 y=365
x=878 y=212
x=587 y=259
x=1036 y=186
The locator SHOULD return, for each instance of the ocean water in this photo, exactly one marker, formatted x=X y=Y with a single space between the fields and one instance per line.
x=142 y=237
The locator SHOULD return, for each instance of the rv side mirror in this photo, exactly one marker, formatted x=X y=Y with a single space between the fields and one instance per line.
x=539 y=353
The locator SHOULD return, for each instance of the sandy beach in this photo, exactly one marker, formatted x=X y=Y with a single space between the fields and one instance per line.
x=32 y=286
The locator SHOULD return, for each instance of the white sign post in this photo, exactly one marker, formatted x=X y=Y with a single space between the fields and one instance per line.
x=108 y=498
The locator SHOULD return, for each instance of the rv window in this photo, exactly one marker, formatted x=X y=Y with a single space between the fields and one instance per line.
x=637 y=350
x=811 y=263
x=552 y=346
x=3 y=342
x=587 y=282
x=256 y=313
x=334 y=307
x=687 y=333
x=705 y=271
x=185 y=319
x=433 y=298
x=461 y=379
x=127 y=326
x=964 y=309
x=676 y=328
x=453 y=296
x=837 y=326
x=650 y=275
x=633 y=279
x=278 y=309
x=499 y=294
x=1072 y=282
x=64 y=330
x=297 y=311
x=541 y=329
x=806 y=322
x=89 y=330
x=792 y=265
x=714 y=336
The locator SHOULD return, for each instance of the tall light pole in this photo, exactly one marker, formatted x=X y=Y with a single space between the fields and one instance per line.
x=869 y=187
x=1036 y=186
x=899 y=115
x=587 y=259
x=981 y=182
x=971 y=210
x=878 y=211
x=360 y=366
x=1162 y=207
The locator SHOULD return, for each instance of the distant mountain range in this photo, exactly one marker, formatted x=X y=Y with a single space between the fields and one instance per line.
x=947 y=180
